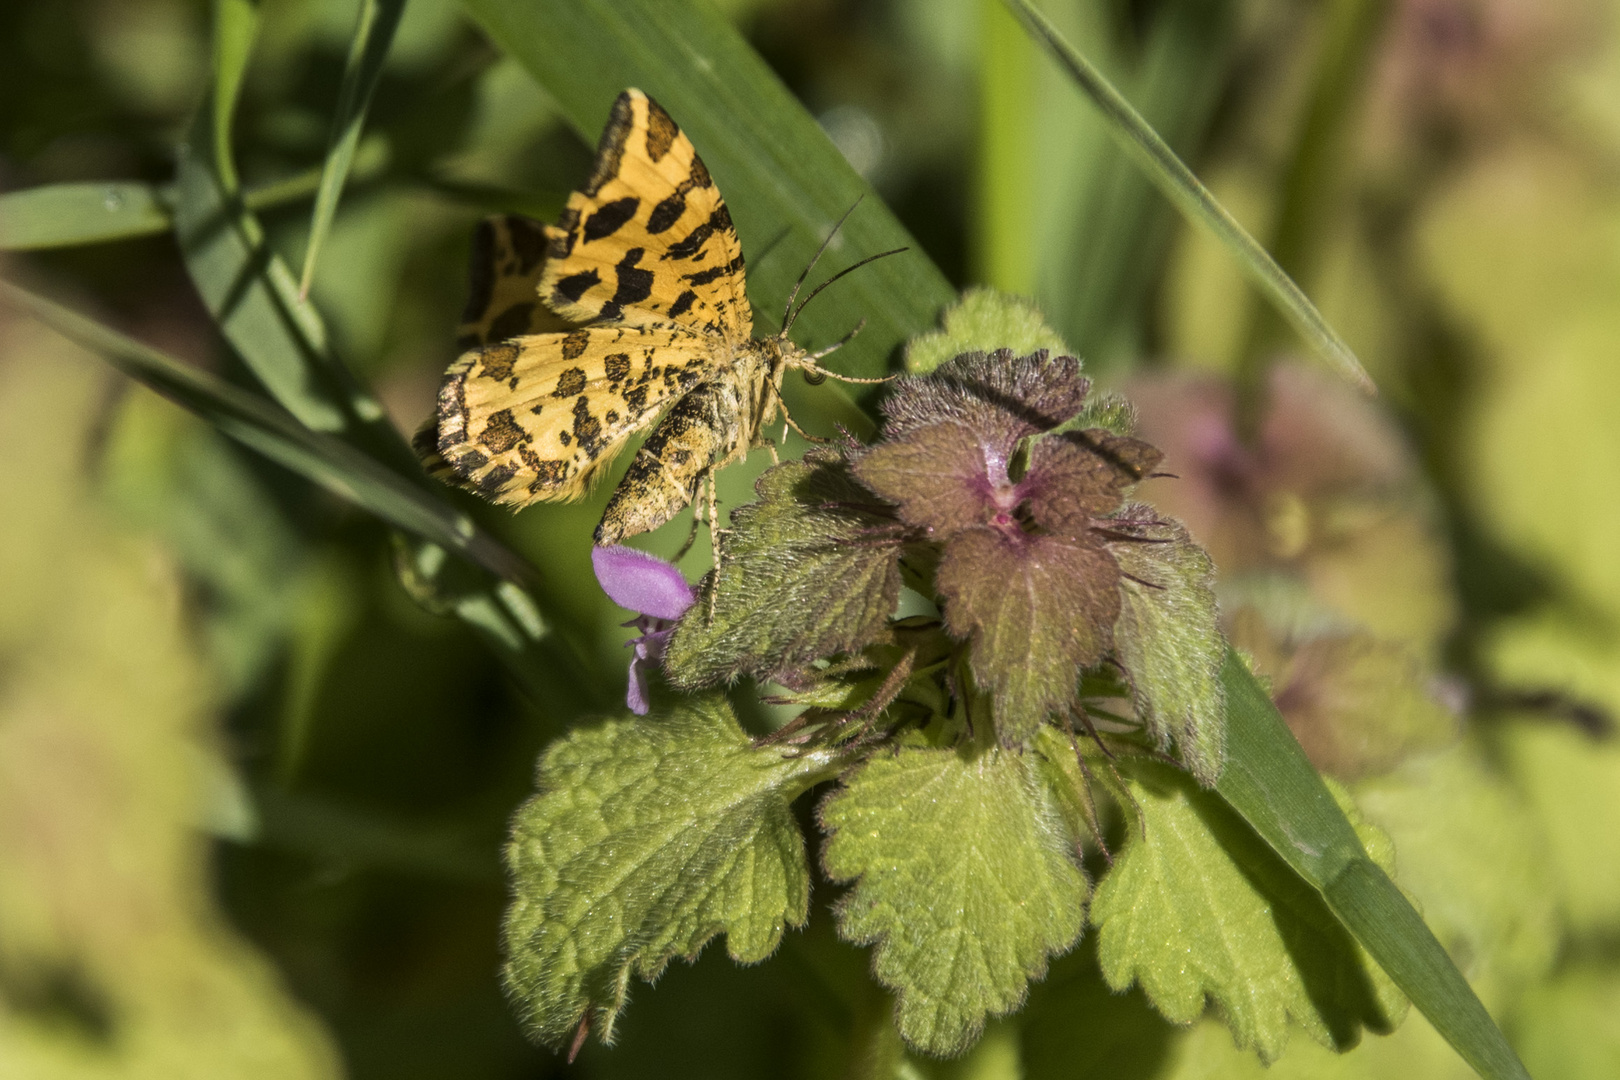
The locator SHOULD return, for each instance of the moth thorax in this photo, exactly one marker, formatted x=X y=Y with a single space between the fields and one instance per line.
x=784 y=354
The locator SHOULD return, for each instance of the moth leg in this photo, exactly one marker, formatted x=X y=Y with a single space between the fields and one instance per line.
x=691 y=534
x=714 y=539
x=788 y=421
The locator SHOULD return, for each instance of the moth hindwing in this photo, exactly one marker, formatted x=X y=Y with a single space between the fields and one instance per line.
x=646 y=260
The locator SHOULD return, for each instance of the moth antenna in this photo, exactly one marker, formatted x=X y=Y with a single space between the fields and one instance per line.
x=816 y=375
x=824 y=373
x=835 y=346
x=820 y=251
x=847 y=270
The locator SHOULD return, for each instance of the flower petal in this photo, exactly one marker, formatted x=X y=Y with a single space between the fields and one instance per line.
x=641 y=582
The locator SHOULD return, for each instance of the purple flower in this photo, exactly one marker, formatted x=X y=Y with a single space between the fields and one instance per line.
x=659 y=596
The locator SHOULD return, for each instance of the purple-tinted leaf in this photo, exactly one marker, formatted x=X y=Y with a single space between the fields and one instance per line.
x=944 y=477
x=1074 y=478
x=1036 y=392
x=1036 y=609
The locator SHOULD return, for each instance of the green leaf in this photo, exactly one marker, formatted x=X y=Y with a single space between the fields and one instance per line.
x=61 y=215
x=373 y=34
x=808 y=572
x=1270 y=782
x=784 y=181
x=251 y=420
x=1167 y=638
x=1196 y=907
x=965 y=880
x=648 y=838
x=1190 y=196
x=984 y=320
x=1108 y=411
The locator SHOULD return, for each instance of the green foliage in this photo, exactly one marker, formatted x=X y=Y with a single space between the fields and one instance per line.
x=59 y=215
x=965 y=881
x=648 y=838
x=983 y=319
x=373 y=34
x=810 y=570
x=1168 y=641
x=1198 y=907
x=1178 y=183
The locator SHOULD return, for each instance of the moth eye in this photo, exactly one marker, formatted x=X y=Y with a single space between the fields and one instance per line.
x=814 y=376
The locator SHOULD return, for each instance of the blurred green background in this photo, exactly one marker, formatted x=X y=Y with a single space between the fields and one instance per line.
x=252 y=797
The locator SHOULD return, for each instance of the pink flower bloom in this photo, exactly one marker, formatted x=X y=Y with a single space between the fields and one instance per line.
x=657 y=593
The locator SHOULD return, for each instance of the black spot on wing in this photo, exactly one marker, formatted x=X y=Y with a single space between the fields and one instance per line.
x=572 y=287
x=501 y=432
x=617 y=366
x=635 y=284
x=547 y=474
x=574 y=344
x=714 y=273
x=510 y=323
x=636 y=398
x=719 y=222
x=569 y=383
x=587 y=428
x=661 y=131
x=610 y=218
x=667 y=212
x=683 y=303
x=496 y=361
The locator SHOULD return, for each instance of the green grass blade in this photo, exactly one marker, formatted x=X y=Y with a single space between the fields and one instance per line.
x=1272 y=784
x=783 y=180
x=67 y=215
x=1190 y=196
x=248 y=418
x=373 y=34
x=62 y=215
x=236 y=24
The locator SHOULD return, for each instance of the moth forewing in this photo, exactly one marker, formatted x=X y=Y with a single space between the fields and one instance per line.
x=646 y=257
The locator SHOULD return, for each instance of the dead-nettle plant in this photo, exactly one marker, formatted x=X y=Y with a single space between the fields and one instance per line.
x=1071 y=651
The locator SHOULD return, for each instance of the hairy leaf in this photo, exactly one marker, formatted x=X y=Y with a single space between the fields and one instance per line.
x=965 y=882
x=1037 y=609
x=1168 y=641
x=943 y=477
x=810 y=570
x=1198 y=907
x=984 y=320
x=648 y=838
x=1108 y=411
x=1019 y=394
x=1076 y=477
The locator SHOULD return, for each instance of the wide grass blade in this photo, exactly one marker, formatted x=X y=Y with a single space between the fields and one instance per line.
x=273 y=432
x=1194 y=200
x=373 y=34
x=783 y=179
x=1269 y=780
